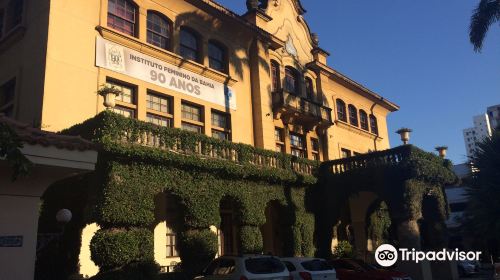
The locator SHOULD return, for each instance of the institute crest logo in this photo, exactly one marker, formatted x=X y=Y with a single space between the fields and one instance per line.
x=115 y=57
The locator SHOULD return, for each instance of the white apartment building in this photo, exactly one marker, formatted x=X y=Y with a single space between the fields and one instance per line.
x=494 y=116
x=476 y=134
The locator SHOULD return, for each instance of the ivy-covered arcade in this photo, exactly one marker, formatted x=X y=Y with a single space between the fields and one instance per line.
x=234 y=198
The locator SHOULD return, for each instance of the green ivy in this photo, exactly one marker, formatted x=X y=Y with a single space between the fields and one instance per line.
x=10 y=146
x=116 y=247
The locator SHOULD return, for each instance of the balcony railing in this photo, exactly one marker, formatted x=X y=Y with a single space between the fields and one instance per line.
x=109 y=127
x=305 y=109
x=376 y=159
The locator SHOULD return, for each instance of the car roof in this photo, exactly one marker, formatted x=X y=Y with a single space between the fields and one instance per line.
x=301 y=259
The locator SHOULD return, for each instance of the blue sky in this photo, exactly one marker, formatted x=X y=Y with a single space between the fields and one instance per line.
x=416 y=54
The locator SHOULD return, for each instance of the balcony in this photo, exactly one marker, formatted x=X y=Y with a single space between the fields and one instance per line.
x=125 y=136
x=296 y=109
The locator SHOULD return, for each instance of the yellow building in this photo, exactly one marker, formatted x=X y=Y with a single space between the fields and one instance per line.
x=55 y=56
x=259 y=78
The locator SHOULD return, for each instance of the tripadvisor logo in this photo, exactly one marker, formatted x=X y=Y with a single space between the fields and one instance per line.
x=387 y=255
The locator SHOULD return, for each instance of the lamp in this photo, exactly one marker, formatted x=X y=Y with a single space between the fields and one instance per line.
x=442 y=151
x=64 y=216
x=405 y=134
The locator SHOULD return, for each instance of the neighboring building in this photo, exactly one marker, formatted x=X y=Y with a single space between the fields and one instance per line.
x=494 y=116
x=476 y=134
x=457 y=201
x=259 y=79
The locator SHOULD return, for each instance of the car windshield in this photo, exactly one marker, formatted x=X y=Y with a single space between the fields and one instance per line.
x=316 y=265
x=264 y=265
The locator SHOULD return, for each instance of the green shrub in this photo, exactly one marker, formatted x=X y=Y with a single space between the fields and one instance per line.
x=147 y=270
x=112 y=248
x=251 y=239
x=344 y=249
x=197 y=248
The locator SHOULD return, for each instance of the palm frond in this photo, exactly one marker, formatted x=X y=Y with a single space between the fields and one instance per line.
x=486 y=13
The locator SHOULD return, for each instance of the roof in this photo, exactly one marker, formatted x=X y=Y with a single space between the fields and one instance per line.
x=35 y=136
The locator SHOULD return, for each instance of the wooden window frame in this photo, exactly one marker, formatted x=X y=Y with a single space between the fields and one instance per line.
x=167 y=37
x=341 y=110
x=133 y=22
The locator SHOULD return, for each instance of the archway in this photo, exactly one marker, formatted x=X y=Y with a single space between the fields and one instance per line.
x=378 y=225
x=273 y=231
x=229 y=229
x=168 y=224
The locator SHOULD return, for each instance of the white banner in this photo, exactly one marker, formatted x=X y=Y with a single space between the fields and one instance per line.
x=149 y=69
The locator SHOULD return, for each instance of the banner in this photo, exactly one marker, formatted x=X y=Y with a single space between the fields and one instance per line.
x=149 y=69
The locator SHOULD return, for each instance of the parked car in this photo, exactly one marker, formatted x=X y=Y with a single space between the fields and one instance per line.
x=466 y=268
x=246 y=267
x=309 y=269
x=352 y=269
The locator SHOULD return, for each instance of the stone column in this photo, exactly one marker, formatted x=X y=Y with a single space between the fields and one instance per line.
x=409 y=238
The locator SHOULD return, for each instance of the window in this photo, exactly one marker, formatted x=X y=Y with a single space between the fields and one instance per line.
x=192 y=127
x=159 y=120
x=159 y=30
x=125 y=105
x=216 y=56
x=309 y=88
x=7 y=94
x=189 y=45
x=291 y=81
x=264 y=265
x=315 y=148
x=297 y=145
x=341 y=111
x=122 y=16
x=226 y=267
x=353 y=115
x=171 y=243
x=363 y=120
x=345 y=153
x=220 y=119
x=279 y=138
x=275 y=75
x=220 y=125
x=192 y=118
x=373 y=124
x=191 y=112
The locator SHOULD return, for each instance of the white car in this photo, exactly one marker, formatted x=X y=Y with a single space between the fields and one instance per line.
x=309 y=269
x=246 y=267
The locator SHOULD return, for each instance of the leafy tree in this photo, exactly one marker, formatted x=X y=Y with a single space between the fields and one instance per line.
x=482 y=216
x=486 y=14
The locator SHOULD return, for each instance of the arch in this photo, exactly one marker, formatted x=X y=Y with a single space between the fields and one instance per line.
x=292 y=80
x=353 y=115
x=378 y=224
x=169 y=213
x=123 y=16
x=341 y=110
x=363 y=120
x=373 y=124
x=159 y=30
x=190 y=44
x=275 y=231
x=229 y=228
x=217 y=56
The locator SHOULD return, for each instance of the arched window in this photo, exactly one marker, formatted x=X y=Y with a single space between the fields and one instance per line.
x=291 y=81
x=275 y=76
x=122 y=16
x=373 y=124
x=353 y=115
x=341 y=110
x=159 y=30
x=309 y=88
x=190 y=45
x=363 y=120
x=217 y=56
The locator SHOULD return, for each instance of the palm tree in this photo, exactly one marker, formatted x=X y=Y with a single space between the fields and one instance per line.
x=486 y=13
x=483 y=209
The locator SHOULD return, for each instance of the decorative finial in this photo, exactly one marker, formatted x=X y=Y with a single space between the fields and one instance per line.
x=315 y=39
